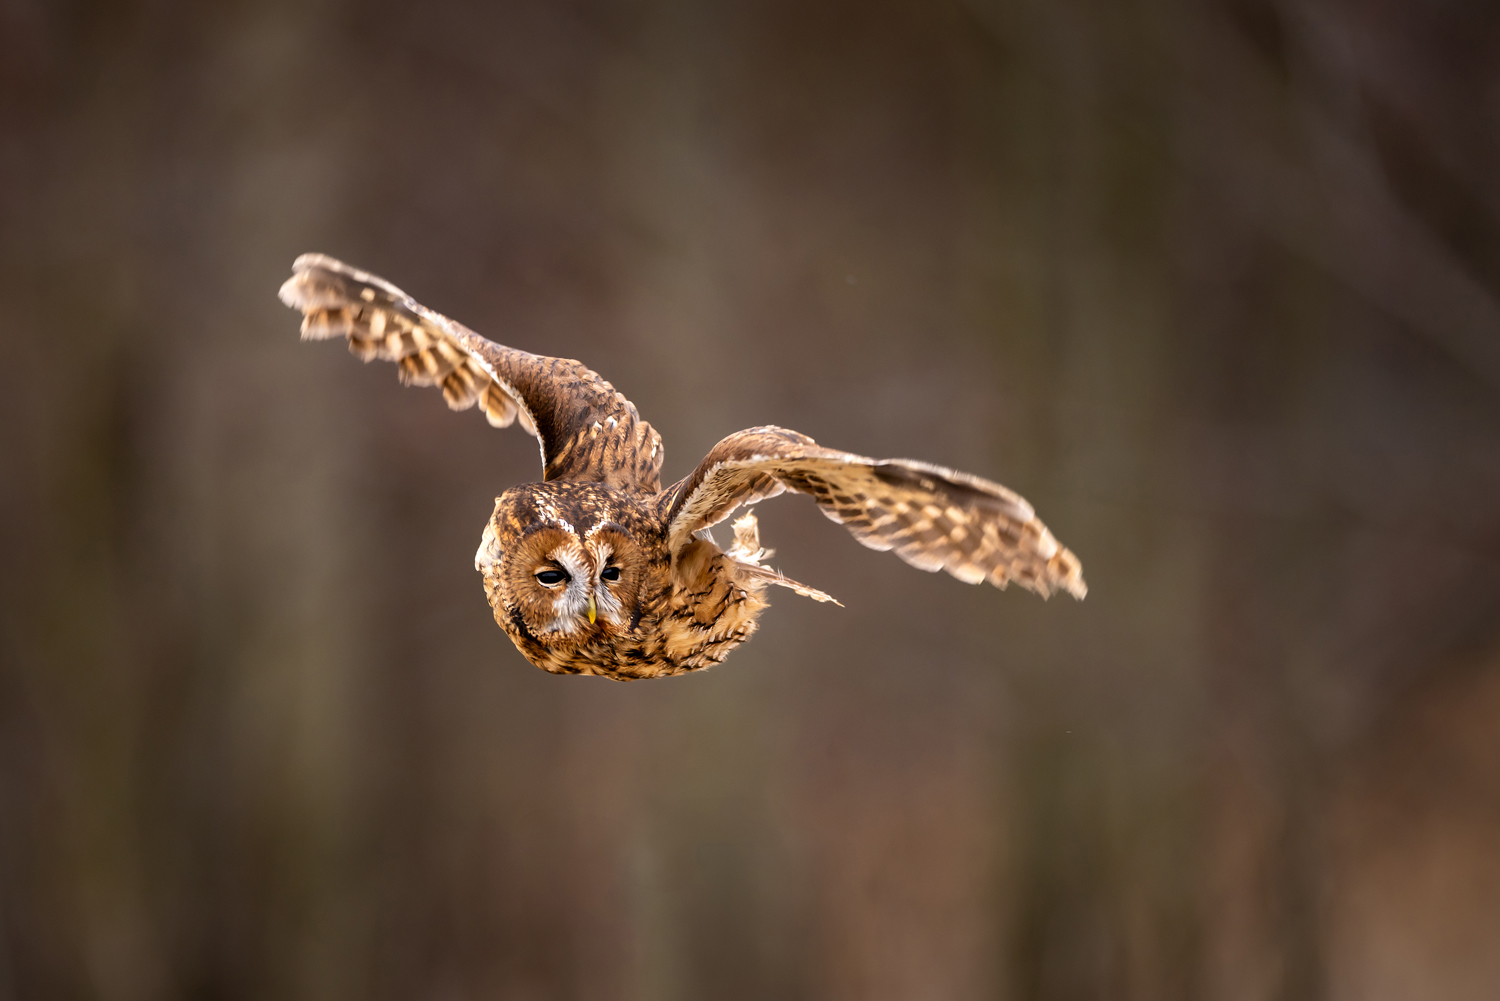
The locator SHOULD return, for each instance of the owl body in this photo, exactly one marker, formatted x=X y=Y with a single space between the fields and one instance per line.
x=580 y=577
x=598 y=569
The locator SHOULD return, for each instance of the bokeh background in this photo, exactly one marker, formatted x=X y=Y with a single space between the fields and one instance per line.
x=1214 y=284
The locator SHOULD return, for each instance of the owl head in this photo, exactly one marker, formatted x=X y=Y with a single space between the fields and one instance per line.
x=563 y=570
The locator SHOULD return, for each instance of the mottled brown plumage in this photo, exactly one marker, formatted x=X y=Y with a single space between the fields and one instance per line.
x=597 y=569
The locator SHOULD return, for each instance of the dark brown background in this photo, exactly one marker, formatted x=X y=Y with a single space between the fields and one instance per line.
x=1213 y=284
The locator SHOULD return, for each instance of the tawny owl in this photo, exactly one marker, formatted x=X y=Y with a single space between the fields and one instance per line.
x=597 y=569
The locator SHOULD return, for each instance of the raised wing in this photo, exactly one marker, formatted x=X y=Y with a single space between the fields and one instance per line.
x=931 y=517
x=586 y=429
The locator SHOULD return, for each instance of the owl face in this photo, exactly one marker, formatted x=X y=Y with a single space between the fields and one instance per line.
x=563 y=573
x=568 y=584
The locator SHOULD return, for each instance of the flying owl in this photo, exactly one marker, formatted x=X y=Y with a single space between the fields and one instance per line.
x=598 y=569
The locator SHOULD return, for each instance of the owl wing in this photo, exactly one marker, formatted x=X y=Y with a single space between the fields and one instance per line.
x=585 y=428
x=933 y=518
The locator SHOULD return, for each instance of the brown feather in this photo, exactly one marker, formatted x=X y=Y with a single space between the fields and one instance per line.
x=933 y=518
x=597 y=570
x=587 y=430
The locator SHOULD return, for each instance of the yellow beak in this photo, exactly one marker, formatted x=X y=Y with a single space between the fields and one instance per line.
x=593 y=612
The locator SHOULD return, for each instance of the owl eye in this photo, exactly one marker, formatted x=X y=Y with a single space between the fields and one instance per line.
x=610 y=574
x=550 y=578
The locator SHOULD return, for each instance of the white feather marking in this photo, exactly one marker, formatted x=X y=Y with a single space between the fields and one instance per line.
x=966 y=572
x=549 y=513
x=1046 y=545
x=487 y=555
x=609 y=606
x=571 y=605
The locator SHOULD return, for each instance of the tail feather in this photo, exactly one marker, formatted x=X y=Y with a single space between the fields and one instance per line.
x=747 y=554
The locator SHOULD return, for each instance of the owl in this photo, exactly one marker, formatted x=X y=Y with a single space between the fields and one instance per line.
x=600 y=570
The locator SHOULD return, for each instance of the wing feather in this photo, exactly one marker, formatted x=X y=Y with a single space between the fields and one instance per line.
x=586 y=430
x=932 y=517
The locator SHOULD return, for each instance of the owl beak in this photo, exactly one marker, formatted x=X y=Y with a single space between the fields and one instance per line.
x=593 y=610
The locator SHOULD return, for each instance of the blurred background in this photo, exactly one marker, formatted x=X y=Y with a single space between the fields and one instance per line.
x=1213 y=284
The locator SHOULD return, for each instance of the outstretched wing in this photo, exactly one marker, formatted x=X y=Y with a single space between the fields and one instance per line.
x=931 y=517
x=586 y=430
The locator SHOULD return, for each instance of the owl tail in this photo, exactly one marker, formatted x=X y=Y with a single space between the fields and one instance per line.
x=747 y=554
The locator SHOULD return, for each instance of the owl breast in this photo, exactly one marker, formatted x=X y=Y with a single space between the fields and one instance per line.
x=712 y=608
